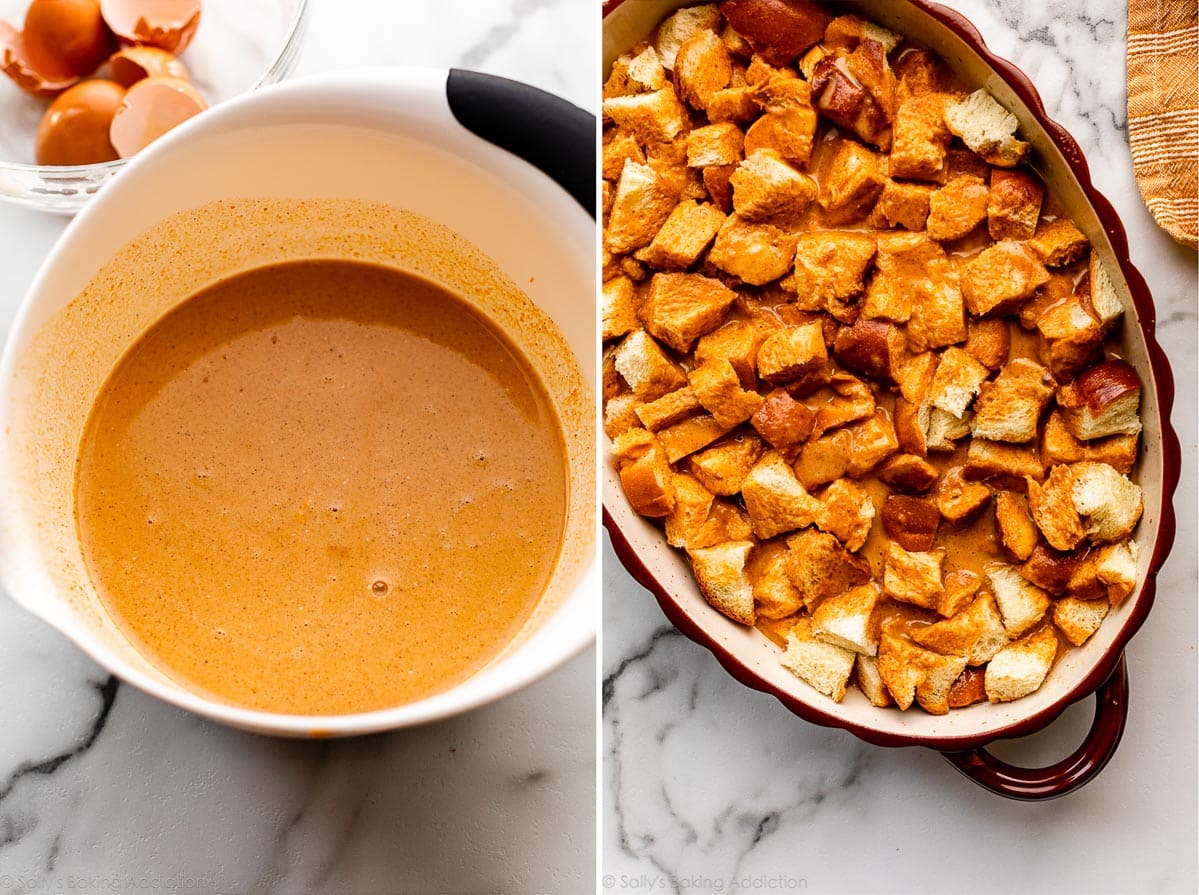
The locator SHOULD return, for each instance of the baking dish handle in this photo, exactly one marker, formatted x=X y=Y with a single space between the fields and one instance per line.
x=1040 y=784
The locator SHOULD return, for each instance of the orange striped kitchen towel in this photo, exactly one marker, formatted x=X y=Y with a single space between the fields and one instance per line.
x=1163 y=111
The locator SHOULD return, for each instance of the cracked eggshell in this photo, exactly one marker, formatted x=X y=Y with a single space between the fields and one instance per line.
x=149 y=109
x=14 y=62
x=129 y=65
x=74 y=130
x=167 y=24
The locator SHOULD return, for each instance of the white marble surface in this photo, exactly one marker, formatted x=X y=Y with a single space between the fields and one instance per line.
x=105 y=789
x=707 y=785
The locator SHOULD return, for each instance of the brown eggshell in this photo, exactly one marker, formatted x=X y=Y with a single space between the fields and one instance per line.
x=167 y=24
x=151 y=108
x=132 y=64
x=14 y=62
x=66 y=38
x=74 y=130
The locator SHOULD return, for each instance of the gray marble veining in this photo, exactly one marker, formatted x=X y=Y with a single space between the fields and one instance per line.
x=711 y=787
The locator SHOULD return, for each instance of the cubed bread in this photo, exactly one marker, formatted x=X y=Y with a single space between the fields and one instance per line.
x=938 y=311
x=969 y=688
x=871 y=348
x=846 y=32
x=1021 y=603
x=957 y=208
x=820 y=567
x=643 y=364
x=715 y=144
x=684 y=235
x=870 y=682
x=765 y=187
x=846 y=512
x=874 y=440
x=1053 y=509
x=959 y=499
x=1110 y=503
x=1016 y=528
x=1014 y=463
x=619 y=308
x=692 y=503
x=844 y=619
x=687 y=436
x=775 y=499
x=943 y=429
x=919 y=137
x=830 y=268
x=702 y=66
x=913 y=673
x=908 y=473
x=642 y=203
x=637 y=71
x=1001 y=276
x=1009 y=407
x=1058 y=242
x=784 y=422
x=914 y=576
x=977 y=632
x=825 y=459
x=619 y=147
x=792 y=352
x=903 y=260
x=851 y=181
x=852 y=400
x=1051 y=570
x=719 y=390
x=775 y=595
x=670 y=161
x=779 y=30
x=904 y=204
x=648 y=487
x=620 y=414
x=1014 y=204
x=754 y=253
x=722 y=468
x=854 y=100
x=1021 y=667
x=668 y=409
x=732 y=105
x=735 y=342
x=726 y=522
x=957 y=381
x=989 y=341
x=910 y=521
x=1069 y=337
x=1116 y=566
x=1104 y=301
x=1058 y=445
x=1079 y=619
x=684 y=24
x=720 y=573
x=1104 y=400
x=656 y=117
x=987 y=128
x=680 y=307
x=819 y=664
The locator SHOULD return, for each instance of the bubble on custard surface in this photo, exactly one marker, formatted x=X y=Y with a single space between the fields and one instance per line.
x=379 y=588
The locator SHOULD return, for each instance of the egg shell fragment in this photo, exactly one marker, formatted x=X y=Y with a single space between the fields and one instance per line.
x=167 y=24
x=151 y=108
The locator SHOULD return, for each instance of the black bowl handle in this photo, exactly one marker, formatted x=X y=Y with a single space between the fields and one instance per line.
x=1040 y=784
x=544 y=130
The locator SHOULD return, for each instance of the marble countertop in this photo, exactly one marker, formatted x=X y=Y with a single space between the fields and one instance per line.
x=103 y=788
x=710 y=787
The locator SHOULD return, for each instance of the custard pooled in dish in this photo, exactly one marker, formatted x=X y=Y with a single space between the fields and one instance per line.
x=859 y=361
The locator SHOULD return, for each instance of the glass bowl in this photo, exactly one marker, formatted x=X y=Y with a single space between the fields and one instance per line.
x=239 y=46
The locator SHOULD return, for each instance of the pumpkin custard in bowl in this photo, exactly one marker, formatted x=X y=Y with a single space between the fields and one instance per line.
x=863 y=366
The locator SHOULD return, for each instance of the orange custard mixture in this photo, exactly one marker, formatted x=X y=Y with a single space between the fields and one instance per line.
x=321 y=487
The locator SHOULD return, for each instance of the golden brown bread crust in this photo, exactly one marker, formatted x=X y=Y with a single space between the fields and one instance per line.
x=910 y=521
x=779 y=30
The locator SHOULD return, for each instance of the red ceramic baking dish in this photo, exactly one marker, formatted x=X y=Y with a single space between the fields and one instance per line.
x=1095 y=668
